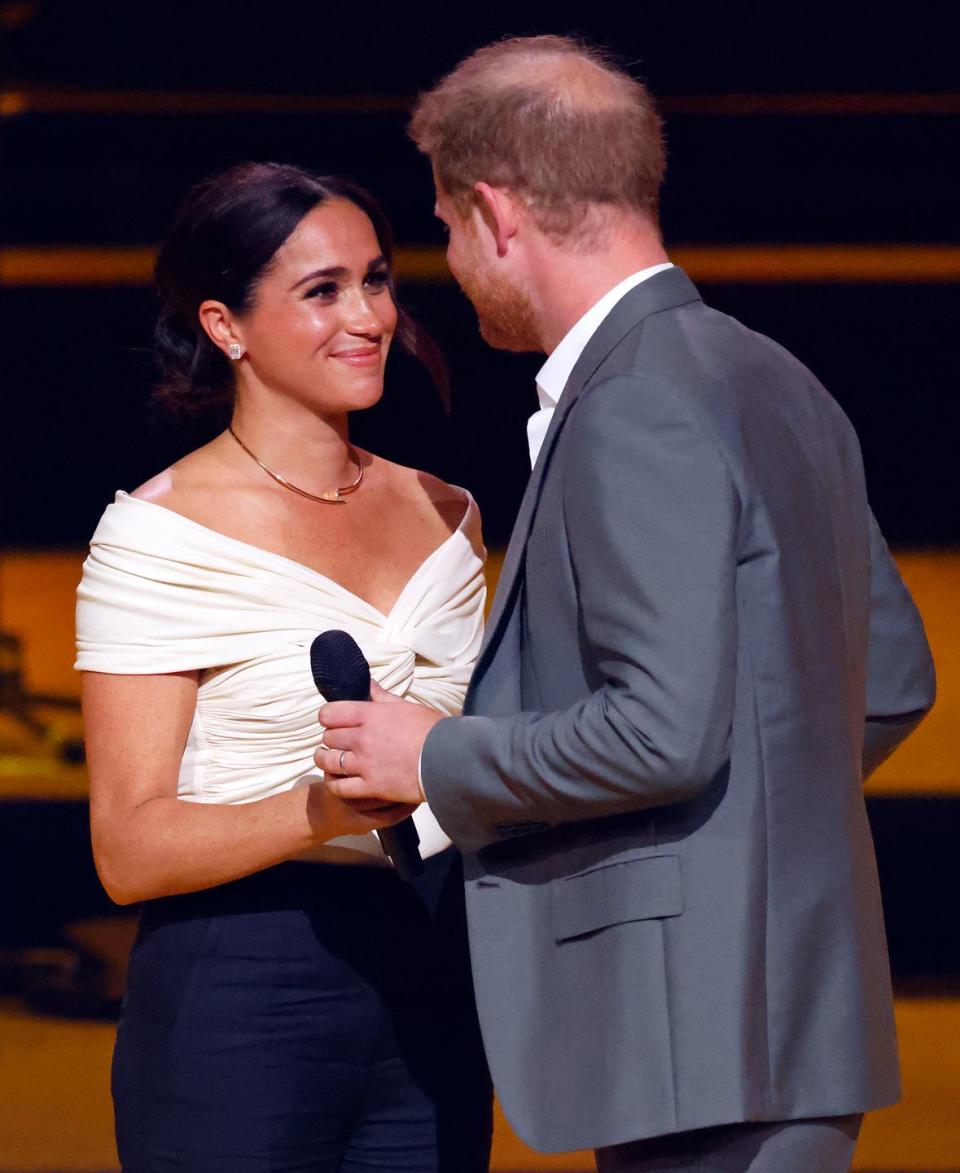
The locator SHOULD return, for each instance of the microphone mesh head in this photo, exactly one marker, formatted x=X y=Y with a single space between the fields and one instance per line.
x=340 y=670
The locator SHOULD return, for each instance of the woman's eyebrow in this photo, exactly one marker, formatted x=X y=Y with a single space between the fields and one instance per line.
x=336 y=271
x=333 y=271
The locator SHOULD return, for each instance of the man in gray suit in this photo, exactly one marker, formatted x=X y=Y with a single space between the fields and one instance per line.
x=698 y=648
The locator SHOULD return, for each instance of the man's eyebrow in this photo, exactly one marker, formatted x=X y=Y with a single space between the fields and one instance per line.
x=336 y=271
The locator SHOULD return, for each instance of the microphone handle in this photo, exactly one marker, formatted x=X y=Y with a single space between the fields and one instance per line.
x=401 y=843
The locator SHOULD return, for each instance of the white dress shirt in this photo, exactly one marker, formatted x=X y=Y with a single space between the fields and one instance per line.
x=553 y=375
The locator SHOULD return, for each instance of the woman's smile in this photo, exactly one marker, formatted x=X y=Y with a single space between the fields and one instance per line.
x=360 y=356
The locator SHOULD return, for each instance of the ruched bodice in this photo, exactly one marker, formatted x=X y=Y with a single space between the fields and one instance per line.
x=161 y=593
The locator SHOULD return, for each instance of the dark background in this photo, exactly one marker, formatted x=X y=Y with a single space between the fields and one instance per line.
x=75 y=367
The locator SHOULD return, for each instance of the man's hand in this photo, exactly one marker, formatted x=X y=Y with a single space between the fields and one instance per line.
x=372 y=749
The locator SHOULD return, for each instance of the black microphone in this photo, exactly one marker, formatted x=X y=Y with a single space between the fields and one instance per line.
x=341 y=673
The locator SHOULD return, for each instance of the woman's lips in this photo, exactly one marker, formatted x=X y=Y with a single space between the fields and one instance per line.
x=367 y=356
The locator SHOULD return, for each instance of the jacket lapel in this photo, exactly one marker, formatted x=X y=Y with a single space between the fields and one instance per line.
x=666 y=290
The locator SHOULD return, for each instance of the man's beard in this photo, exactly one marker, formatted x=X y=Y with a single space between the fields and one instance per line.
x=505 y=313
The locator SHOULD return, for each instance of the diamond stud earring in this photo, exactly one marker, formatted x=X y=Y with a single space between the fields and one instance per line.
x=235 y=350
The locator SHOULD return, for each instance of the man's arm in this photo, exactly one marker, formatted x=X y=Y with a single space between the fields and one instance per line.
x=900 y=677
x=651 y=516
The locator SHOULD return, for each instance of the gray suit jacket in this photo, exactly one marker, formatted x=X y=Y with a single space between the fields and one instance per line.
x=698 y=646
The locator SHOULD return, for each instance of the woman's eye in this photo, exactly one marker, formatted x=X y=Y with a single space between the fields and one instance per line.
x=378 y=280
x=326 y=289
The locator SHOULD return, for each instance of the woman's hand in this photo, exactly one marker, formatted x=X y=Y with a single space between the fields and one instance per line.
x=331 y=817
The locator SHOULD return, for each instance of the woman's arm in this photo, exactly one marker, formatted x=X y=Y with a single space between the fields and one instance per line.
x=149 y=843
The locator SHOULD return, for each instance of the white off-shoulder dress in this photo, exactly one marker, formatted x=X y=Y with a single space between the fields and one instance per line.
x=161 y=593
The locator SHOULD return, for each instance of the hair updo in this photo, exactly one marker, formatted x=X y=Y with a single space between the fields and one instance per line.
x=223 y=239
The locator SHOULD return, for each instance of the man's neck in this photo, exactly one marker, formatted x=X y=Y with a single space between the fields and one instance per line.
x=566 y=284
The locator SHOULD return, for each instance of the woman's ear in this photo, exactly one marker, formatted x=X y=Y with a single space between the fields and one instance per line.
x=222 y=328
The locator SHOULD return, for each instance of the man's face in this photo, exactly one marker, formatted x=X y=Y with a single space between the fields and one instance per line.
x=504 y=311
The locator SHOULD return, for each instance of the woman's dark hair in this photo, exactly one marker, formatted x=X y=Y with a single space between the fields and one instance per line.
x=223 y=239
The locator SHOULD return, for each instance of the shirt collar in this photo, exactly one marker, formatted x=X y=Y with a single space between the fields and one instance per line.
x=553 y=375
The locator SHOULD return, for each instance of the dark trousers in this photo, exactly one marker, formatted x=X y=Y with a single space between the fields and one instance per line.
x=823 y=1145
x=310 y=1019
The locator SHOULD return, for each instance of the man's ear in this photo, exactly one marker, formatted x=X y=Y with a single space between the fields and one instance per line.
x=500 y=213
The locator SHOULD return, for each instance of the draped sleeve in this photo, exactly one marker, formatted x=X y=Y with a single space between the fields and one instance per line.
x=148 y=603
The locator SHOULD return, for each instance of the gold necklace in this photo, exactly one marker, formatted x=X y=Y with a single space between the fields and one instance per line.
x=330 y=497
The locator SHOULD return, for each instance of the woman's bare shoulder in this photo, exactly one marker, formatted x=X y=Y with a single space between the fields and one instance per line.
x=453 y=505
x=186 y=483
x=439 y=491
x=157 y=489
x=424 y=487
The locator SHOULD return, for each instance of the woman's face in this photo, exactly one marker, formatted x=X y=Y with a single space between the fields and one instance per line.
x=323 y=315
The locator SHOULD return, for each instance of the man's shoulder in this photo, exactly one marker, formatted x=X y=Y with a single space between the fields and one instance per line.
x=708 y=357
x=697 y=365
x=705 y=341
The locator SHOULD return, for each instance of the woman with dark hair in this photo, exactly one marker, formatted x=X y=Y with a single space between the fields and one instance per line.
x=292 y=1003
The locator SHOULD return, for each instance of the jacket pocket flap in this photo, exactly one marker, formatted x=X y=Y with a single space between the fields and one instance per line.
x=615 y=893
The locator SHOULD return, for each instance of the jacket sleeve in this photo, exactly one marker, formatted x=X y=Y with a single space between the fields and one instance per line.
x=651 y=515
x=901 y=684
